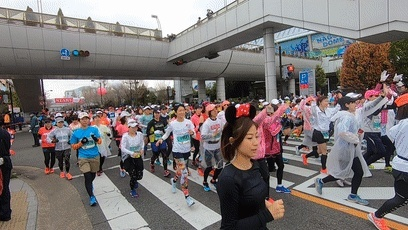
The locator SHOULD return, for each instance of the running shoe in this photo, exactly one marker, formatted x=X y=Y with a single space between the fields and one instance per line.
x=346 y=182
x=285 y=160
x=122 y=173
x=319 y=185
x=356 y=199
x=189 y=201
x=304 y=158
x=51 y=171
x=388 y=169
x=166 y=173
x=371 y=167
x=340 y=183
x=152 y=168
x=133 y=193
x=206 y=187
x=323 y=171
x=297 y=151
x=282 y=189
x=47 y=170
x=69 y=176
x=157 y=162
x=169 y=162
x=62 y=175
x=99 y=173
x=173 y=186
x=92 y=201
x=379 y=223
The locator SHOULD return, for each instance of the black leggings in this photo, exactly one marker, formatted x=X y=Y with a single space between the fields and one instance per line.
x=120 y=154
x=89 y=177
x=357 y=178
x=401 y=194
x=101 y=161
x=196 y=144
x=156 y=156
x=278 y=159
x=49 y=157
x=63 y=156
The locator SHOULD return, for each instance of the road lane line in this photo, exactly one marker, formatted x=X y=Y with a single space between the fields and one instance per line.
x=198 y=215
x=117 y=210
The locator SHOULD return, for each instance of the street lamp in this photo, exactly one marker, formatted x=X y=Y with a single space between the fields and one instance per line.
x=158 y=21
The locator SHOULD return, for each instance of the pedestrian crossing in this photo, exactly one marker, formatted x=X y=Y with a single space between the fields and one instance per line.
x=121 y=212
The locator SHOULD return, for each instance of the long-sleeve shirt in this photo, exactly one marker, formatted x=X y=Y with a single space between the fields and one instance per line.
x=130 y=145
x=62 y=135
x=181 y=135
x=321 y=119
x=369 y=121
x=242 y=196
x=267 y=129
x=211 y=133
x=306 y=113
x=398 y=134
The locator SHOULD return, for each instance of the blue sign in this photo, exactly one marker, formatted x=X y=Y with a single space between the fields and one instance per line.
x=303 y=78
x=65 y=54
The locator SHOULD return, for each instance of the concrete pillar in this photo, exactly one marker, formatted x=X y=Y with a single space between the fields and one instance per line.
x=202 y=96
x=221 y=88
x=292 y=86
x=270 y=67
x=177 y=88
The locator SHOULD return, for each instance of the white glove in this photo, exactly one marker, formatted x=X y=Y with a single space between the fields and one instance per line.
x=1 y=161
x=384 y=76
x=397 y=78
x=39 y=141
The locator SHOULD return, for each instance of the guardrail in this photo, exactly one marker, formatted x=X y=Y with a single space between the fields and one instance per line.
x=74 y=24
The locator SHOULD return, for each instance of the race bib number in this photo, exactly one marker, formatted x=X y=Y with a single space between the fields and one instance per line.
x=89 y=145
x=183 y=139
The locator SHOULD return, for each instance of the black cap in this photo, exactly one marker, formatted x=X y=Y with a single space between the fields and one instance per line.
x=156 y=110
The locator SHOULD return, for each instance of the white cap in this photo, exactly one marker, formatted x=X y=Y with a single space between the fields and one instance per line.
x=400 y=83
x=82 y=115
x=353 y=95
x=237 y=105
x=132 y=123
x=58 y=115
x=265 y=103
x=124 y=114
x=146 y=107
x=275 y=101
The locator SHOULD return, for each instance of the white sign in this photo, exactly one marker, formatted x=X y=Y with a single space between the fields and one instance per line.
x=307 y=83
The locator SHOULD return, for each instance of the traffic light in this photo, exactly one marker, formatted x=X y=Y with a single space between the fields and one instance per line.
x=80 y=53
x=291 y=70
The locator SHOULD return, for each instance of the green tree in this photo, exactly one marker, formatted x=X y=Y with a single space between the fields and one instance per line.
x=321 y=79
x=363 y=64
x=212 y=92
x=399 y=56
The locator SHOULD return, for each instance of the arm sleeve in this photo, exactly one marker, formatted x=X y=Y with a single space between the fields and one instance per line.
x=260 y=117
x=370 y=107
x=229 y=203
x=168 y=131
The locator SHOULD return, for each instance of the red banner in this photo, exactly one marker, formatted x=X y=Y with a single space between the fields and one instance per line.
x=64 y=100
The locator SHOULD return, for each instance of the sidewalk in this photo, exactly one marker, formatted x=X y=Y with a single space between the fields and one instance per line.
x=41 y=201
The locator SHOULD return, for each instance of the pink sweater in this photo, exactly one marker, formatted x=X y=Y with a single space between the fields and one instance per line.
x=269 y=126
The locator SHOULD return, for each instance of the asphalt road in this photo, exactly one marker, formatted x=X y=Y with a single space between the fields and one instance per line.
x=158 y=208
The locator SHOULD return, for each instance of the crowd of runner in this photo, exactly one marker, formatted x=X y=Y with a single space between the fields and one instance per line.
x=365 y=128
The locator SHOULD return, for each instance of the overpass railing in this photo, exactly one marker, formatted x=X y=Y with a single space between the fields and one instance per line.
x=61 y=22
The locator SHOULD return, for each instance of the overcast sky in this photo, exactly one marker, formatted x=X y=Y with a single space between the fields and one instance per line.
x=174 y=16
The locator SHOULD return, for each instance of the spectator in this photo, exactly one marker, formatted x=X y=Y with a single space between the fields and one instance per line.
x=209 y=13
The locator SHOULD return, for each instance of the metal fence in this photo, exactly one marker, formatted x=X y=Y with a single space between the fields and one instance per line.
x=60 y=22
